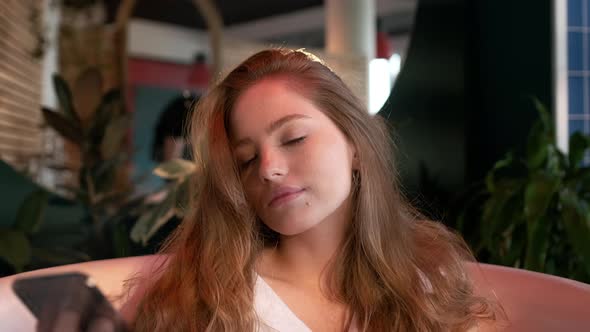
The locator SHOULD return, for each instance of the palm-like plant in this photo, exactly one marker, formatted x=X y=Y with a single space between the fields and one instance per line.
x=533 y=211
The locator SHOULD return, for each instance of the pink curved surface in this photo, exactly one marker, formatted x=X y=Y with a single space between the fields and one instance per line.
x=109 y=276
x=532 y=301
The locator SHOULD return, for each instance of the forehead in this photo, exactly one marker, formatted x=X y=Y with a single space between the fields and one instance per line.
x=265 y=102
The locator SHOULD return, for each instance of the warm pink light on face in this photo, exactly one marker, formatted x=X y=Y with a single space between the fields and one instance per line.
x=295 y=164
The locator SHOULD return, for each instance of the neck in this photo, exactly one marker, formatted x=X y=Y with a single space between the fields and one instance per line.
x=303 y=258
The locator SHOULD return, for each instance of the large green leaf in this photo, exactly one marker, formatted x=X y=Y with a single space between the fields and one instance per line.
x=555 y=161
x=500 y=164
x=87 y=91
x=175 y=169
x=577 y=147
x=577 y=179
x=538 y=194
x=15 y=248
x=576 y=221
x=510 y=214
x=541 y=137
x=105 y=175
x=64 y=95
x=104 y=115
x=31 y=211
x=66 y=127
x=507 y=172
x=109 y=164
x=537 y=244
x=500 y=210
x=183 y=197
x=152 y=220
x=114 y=134
x=515 y=240
x=538 y=144
x=544 y=114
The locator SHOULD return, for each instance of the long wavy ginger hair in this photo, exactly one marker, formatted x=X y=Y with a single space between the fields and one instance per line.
x=394 y=271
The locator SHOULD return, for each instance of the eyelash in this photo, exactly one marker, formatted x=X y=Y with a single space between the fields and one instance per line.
x=295 y=141
x=292 y=142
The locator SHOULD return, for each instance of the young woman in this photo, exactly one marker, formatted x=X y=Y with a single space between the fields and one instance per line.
x=298 y=221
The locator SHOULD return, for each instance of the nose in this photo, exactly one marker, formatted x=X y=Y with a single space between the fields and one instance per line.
x=272 y=166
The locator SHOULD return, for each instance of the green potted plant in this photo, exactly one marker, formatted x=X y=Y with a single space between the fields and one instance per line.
x=533 y=211
x=114 y=221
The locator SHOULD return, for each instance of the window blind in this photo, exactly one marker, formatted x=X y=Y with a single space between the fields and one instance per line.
x=20 y=83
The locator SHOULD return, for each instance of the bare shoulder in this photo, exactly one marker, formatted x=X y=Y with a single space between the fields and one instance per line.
x=138 y=285
x=129 y=309
x=486 y=326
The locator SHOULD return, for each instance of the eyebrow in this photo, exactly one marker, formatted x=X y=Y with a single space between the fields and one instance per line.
x=274 y=126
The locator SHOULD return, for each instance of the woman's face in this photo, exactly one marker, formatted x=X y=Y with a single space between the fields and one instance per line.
x=295 y=164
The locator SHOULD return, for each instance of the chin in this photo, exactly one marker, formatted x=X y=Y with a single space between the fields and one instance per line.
x=291 y=228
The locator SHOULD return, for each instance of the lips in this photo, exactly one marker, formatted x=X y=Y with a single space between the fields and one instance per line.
x=284 y=194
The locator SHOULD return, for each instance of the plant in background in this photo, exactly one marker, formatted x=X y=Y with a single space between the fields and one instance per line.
x=533 y=211
x=152 y=217
x=114 y=223
x=97 y=125
x=15 y=242
x=100 y=139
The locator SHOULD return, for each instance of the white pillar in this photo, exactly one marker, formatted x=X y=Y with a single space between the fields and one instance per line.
x=46 y=176
x=51 y=19
x=560 y=78
x=351 y=29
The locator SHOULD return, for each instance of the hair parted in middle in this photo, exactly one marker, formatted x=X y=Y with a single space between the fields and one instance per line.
x=394 y=270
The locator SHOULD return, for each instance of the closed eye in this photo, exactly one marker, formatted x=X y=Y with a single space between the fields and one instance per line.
x=247 y=163
x=244 y=165
x=295 y=141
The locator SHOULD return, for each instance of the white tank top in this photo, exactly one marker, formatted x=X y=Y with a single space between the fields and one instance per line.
x=274 y=314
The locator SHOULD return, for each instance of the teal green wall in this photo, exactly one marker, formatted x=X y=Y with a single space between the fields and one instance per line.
x=14 y=187
x=149 y=103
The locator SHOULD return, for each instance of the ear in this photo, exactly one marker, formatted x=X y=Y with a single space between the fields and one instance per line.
x=355 y=160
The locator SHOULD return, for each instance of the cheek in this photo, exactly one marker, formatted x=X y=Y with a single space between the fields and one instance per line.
x=331 y=164
x=254 y=191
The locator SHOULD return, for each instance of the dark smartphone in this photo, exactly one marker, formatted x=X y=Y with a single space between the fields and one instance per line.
x=49 y=295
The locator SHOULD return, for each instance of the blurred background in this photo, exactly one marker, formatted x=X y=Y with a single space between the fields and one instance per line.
x=487 y=100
